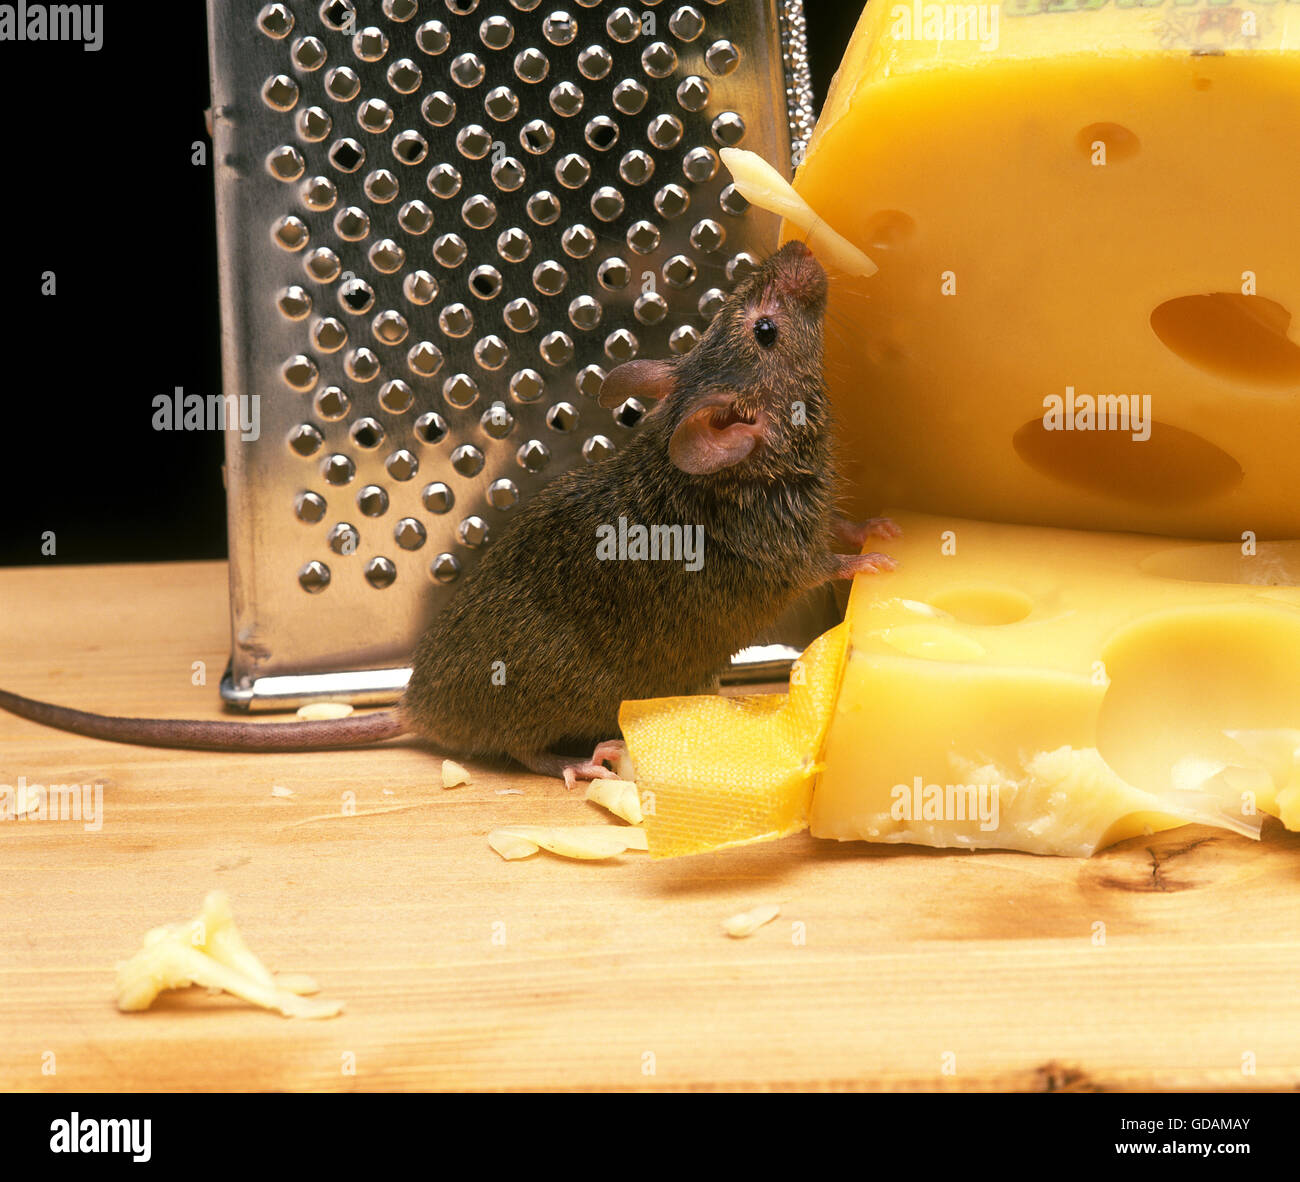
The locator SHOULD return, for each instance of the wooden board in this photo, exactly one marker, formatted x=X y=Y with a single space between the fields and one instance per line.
x=1168 y=962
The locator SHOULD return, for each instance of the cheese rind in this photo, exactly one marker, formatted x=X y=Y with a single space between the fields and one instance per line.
x=716 y=772
x=1087 y=211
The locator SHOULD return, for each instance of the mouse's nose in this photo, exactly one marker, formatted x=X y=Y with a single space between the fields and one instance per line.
x=798 y=276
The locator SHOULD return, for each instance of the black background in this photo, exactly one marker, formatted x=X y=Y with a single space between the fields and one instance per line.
x=97 y=185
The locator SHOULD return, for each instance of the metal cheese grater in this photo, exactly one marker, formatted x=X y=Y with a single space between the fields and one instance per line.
x=441 y=223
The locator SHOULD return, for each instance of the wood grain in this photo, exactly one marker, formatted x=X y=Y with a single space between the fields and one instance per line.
x=890 y=967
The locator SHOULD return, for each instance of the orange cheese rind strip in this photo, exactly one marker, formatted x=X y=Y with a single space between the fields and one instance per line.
x=760 y=184
x=717 y=772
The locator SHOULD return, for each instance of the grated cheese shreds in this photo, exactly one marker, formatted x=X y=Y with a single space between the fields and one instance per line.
x=760 y=184
x=210 y=951
x=619 y=796
x=587 y=842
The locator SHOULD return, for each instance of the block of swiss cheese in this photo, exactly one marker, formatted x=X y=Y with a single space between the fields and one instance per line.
x=1011 y=687
x=1100 y=201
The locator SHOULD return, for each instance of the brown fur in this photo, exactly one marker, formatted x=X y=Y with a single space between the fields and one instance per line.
x=578 y=635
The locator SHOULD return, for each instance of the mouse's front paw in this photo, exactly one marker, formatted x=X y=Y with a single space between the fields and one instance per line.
x=849 y=565
x=856 y=533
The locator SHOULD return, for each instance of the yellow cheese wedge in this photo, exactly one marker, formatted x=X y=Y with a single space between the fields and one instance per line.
x=1025 y=688
x=1099 y=202
x=1056 y=691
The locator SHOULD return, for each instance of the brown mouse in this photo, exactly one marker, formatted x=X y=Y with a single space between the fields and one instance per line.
x=569 y=613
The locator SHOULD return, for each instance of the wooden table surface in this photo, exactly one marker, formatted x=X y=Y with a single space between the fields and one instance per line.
x=1167 y=962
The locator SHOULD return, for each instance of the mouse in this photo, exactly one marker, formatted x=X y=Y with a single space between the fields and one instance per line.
x=636 y=576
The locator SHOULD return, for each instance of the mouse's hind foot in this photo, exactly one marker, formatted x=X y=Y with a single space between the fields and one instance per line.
x=610 y=751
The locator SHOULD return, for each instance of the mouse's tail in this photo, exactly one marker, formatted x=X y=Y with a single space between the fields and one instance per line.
x=203 y=735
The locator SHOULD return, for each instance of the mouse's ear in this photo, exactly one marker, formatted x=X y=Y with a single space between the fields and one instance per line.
x=644 y=380
x=701 y=444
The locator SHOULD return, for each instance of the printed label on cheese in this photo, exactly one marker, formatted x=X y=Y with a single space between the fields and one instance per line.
x=1084 y=223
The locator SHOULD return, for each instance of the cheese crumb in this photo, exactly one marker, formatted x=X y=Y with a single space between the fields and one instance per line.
x=619 y=796
x=210 y=951
x=453 y=775
x=748 y=922
x=317 y=711
x=277 y=790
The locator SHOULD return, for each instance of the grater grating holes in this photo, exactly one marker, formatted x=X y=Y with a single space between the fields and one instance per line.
x=424 y=359
x=465 y=69
x=361 y=365
x=438 y=498
x=381 y=573
x=310 y=507
x=372 y=501
x=332 y=404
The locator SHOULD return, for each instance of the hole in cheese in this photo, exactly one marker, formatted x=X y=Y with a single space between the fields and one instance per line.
x=1231 y=335
x=889 y=229
x=1274 y=564
x=933 y=642
x=1172 y=467
x=984 y=605
x=1120 y=143
x=1180 y=682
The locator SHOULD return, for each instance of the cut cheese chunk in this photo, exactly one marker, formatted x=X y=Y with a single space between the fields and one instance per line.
x=1056 y=691
x=1098 y=202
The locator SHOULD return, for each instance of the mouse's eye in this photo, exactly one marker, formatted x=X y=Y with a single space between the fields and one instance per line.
x=765 y=332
